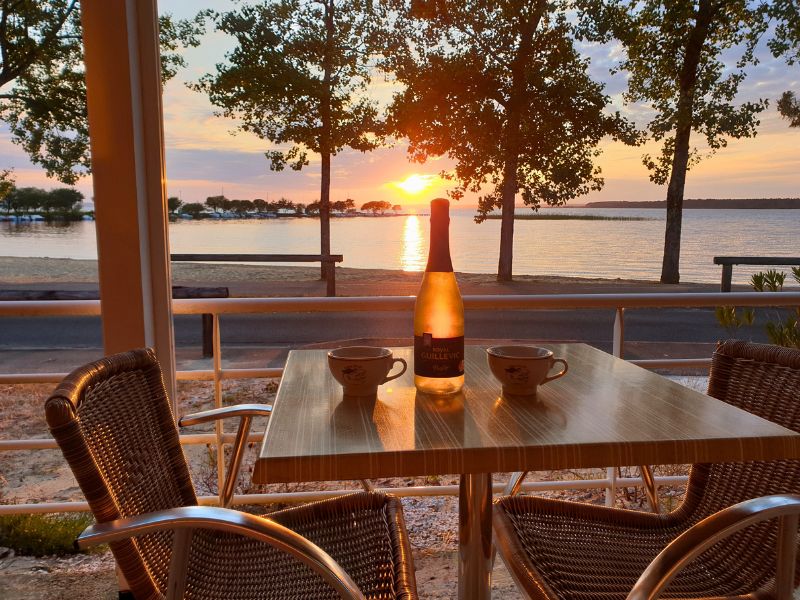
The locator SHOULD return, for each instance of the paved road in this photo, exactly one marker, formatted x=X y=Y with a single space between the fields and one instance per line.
x=287 y=330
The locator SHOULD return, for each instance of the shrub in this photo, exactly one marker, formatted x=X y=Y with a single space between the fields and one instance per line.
x=41 y=535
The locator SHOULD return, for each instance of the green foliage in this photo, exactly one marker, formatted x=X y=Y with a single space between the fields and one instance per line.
x=768 y=281
x=500 y=89
x=678 y=58
x=275 y=78
x=174 y=204
x=43 y=535
x=193 y=209
x=60 y=202
x=732 y=318
x=376 y=206
x=782 y=332
x=789 y=108
x=42 y=87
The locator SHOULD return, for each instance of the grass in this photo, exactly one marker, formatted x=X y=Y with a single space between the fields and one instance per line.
x=43 y=535
x=563 y=217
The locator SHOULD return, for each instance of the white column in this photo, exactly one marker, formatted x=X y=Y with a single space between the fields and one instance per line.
x=123 y=85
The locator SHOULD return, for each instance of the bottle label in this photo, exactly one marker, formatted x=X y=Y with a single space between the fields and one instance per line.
x=438 y=357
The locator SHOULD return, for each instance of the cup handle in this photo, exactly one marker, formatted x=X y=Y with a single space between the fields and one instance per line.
x=560 y=373
x=396 y=375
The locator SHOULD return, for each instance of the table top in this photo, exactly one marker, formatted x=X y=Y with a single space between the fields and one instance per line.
x=604 y=412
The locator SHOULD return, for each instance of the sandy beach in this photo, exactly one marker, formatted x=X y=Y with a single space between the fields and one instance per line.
x=257 y=280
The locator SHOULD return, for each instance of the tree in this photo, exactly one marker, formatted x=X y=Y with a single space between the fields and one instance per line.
x=27 y=199
x=376 y=206
x=500 y=89
x=786 y=42
x=297 y=75
x=216 y=203
x=789 y=107
x=174 y=204
x=63 y=200
x=313 y=208
x=260 y=204
x=675 y=64
x=193 y=209
x=42 y=88
x=7 y=183
x=397 y=208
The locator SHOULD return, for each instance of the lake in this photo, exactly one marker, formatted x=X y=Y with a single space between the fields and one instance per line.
x=573 y=248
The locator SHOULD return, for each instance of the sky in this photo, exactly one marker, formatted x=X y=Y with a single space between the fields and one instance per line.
x=205 y=158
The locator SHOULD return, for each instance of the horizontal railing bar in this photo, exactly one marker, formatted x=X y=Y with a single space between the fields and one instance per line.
x=666 y=363
x=412 y=491
x=31 y=377
x=330 y=258
x=397 y=303
x=187 y=439
x=199 y=375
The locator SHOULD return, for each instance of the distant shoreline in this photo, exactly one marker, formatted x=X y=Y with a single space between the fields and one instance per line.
x=705 y=203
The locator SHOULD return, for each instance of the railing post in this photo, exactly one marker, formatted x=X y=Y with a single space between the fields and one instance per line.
x=611 y=490
x=219 y=426
x=619 y=333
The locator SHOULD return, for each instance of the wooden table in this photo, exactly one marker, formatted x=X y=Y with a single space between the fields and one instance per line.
x=605 y=412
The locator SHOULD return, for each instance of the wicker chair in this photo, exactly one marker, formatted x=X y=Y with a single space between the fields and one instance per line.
x=113 y=422
x=567 y=550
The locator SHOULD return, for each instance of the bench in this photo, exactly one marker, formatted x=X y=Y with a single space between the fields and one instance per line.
x=178 y=292
x=326 y=260
x=727 y=263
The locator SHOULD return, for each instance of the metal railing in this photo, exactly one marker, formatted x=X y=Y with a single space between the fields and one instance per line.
x=219 y=306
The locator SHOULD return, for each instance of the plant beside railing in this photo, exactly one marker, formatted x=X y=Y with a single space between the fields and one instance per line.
x=780 y=331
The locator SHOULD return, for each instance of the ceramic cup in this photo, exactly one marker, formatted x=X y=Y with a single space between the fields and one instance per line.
x=361 y=369
x=522 y=369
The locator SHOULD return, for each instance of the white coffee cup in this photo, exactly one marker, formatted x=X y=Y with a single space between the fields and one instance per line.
x=361 y=369
x=522 y=369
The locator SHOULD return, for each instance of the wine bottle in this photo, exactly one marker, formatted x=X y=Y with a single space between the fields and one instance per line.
x=439 y=314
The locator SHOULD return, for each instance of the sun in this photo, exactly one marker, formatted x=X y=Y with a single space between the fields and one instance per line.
x=414 y=184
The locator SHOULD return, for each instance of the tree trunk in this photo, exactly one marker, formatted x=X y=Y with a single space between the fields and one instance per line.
x=512 y=141
x=504 y=265
x=670 y=266
x=325 y=143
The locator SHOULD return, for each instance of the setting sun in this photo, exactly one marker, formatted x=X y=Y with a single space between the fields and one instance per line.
x=414 y=184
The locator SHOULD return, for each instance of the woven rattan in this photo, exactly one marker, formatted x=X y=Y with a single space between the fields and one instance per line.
x=568 y=550
x=113 y=422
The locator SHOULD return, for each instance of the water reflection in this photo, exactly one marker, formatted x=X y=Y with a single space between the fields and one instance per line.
x=412 y=254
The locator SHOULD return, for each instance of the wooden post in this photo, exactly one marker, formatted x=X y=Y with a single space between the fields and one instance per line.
x=727 y=277
x=123 y=90
x=331 y=279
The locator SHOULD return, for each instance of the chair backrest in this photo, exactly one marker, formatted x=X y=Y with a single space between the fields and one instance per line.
x=763 y=380
x=113 y=421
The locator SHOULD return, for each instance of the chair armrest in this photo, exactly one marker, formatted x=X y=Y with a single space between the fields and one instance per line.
x=215 y=414
x=245 y=413
x=700 y=537
x=514 y=483
x=187 y=518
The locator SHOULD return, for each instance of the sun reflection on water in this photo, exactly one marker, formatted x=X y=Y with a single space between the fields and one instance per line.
x=412 y=257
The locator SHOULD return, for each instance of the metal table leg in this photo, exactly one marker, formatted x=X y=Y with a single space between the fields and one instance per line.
x=475 y=537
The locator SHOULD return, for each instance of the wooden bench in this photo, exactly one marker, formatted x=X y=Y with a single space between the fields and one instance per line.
x=727 y=263
x=326 y=260
x=178 y=292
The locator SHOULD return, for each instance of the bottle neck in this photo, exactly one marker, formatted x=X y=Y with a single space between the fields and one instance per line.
x=439 y=253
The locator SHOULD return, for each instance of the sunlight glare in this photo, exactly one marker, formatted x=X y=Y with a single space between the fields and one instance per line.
x=414 y=184
x=412 y=254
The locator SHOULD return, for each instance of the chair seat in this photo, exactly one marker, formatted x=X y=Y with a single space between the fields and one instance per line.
x=571 y=551
x=362 y=532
